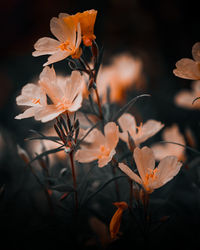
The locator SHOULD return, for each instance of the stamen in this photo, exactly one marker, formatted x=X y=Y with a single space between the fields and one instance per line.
x=36 y=101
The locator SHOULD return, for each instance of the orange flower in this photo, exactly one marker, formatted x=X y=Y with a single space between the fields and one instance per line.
x=101 y=147
x=87 y=20
x=64 y=93
x=138 y=133
x=185 y=98
x=68 y=33
x=116 y=219
x=188 y=68
x=150 y=177
x=170 y=134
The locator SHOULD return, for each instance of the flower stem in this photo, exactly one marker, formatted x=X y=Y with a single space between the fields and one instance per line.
x=74 y=179
x=99 y=104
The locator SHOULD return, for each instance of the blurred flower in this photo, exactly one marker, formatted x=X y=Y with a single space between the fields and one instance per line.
x=171 y=134
x=185 y=98
x=188 y=68
x=87 y=20
x=140 y=133
x=119 y=76
x=68 y=33
x=150 y=177
x=64 y=93
x=116 y=219
x=101 y=147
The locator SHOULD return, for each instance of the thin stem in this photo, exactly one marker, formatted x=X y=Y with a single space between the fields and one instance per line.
x=74 y=179
x=131 y=194
x=114 y=161
x=99 y=104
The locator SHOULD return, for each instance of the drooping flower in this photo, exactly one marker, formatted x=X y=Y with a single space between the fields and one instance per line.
x=187 y=68
x=171 y=134
x=185 y=98
x=68 y=33
x=150 y=177
x=116 y=219
x=87 y=20
x=140 y=133
x=101 y=147
x=34 y=97
x=64 y=93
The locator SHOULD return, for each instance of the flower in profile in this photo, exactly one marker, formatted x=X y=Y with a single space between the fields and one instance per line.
x=87 y=20
x=186 y=98
x=140 y=133
x=101 y=147
x=32 y=96
x=116 y=219
x=65 y=95
x=68 y=33
x=187 y=68
x=150 y=177
x=171 y=134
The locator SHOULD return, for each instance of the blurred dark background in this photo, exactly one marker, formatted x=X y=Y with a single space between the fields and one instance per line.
x=158 y=32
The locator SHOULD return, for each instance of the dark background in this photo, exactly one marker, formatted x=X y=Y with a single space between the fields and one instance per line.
x=158 y=32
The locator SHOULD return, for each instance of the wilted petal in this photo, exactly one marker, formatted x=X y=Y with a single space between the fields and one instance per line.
x=145 y=160
x=130 y=173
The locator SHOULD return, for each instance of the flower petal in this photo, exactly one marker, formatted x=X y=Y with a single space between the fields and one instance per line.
x=58 y=56
x=77 y=103
x=86 y=155
x=45 y=45
x=111 y=132
x=105 y=160
x=168 y=168
x=196 y=51
x=48 y=113
x=127 y=123
x=30 y=112
x=130 y=173
x=144 y=159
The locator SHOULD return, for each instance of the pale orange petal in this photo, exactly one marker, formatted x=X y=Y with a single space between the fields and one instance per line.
x=77 y=103
x=111 y=132
x=45 y=45
x=130 y=173
x=105 y=160
x=196 y=51
x=144 y=159
x=168 y=168
x=185 y=99
x=58 y=56
x=188 y=69
x=58 y=29
x=30 y=112
x=127 y=123
x=48 y=113
x=86 y=155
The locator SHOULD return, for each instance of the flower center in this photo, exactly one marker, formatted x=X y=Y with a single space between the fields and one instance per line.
x=150 y=177
x=139 y=128
x=104 y=152
x=36 y=101
x=64 y=46
x=63 y=105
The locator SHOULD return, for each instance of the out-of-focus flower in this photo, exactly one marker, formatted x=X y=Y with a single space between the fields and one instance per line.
x=34 y=97
x=102 y=147
x=64 y=93
x=150 y=177
x=171 y=134
x=185 y=98
x=123 y=72
x=187 y=68
x=68 y=33
x=87 y=20
x=116 y=219
x=140 y=133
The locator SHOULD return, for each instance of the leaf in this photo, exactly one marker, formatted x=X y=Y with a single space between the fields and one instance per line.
x=44 y=137
x=51 y=151
x=126 y=107
x=63 y=188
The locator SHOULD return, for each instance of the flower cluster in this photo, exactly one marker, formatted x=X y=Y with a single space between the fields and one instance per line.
x=112 y=138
